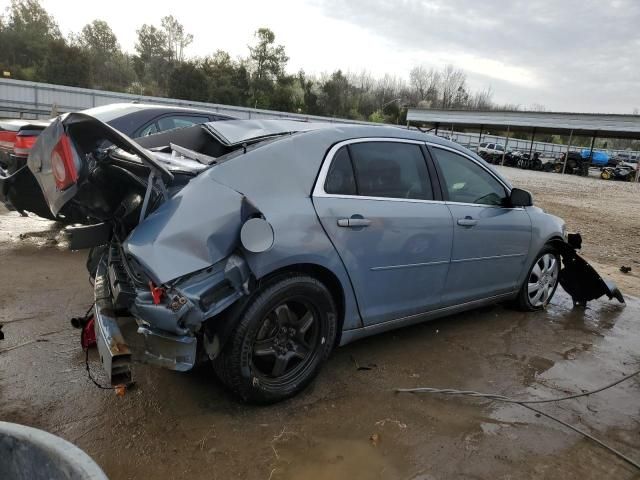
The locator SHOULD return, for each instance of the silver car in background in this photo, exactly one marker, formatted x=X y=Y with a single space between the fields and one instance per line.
x=262 y=245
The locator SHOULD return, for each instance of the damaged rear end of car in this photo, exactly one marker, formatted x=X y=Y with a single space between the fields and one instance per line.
x=165 y=255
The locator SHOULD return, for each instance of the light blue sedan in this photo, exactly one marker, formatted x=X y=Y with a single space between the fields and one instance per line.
x=261 y=245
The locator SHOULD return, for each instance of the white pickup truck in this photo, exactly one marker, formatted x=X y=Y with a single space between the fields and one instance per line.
x=490 y=149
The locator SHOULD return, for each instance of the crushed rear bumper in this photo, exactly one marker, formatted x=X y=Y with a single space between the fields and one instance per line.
x=149 y=345
x=114 y=350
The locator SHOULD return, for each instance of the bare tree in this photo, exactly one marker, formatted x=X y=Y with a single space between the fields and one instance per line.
x=424 y=84
x=177 y=39
x=389 y=87
x=452 y=86
x=481 y=100
x=363 y=80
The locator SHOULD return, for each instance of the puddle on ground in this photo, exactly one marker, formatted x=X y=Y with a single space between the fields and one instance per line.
x=175 y=425
x=335 y=459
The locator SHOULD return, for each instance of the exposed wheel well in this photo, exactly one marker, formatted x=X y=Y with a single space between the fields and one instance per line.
x=553 y=241
x=326 y=276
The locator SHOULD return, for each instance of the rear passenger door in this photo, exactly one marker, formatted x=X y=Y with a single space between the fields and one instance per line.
x=376 y=201
x=490 y=239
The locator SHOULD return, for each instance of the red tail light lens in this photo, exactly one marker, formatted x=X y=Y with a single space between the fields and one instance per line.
x=18 y=145
x=23 y=144
x=7 y=139
x=62 y=164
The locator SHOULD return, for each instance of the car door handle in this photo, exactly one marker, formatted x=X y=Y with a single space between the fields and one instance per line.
x=354 y=222
x=467 y=222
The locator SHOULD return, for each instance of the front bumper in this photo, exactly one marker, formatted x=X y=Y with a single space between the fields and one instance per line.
x=148 y=344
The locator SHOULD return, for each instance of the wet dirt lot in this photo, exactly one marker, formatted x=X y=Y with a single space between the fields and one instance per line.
x=349 y=424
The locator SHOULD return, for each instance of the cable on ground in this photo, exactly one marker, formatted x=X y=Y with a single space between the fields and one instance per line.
x=526 y=403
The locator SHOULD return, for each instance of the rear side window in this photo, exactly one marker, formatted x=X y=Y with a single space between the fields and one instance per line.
x=482 y=145
x=467 y=182
x=180 y=121
x=148 y=130
x=390 y=169
x=379 y=169
x=340 y=179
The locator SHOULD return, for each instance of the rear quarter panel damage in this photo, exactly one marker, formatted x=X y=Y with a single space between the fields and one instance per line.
x=200 y=226
x=282 y=177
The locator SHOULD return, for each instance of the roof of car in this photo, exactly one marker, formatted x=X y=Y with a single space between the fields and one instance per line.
x=235 y=132
x=108 y=112
x=295 y=158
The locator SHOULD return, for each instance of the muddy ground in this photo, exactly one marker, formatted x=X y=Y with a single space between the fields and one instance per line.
x=349 y=424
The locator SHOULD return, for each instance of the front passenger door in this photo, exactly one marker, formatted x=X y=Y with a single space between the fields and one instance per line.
x=490 y=239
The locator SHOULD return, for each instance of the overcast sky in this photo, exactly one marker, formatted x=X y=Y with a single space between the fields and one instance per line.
x=568 y=55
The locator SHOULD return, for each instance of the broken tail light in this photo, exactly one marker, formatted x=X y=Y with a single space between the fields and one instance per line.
x=63 y=166
x=16 y=144
x=7 y=139
x=23 y=144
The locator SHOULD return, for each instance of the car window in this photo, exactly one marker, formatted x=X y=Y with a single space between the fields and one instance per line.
x=491 y=146
x=482 y=145
x=467 y=182
x=500 y=148
x=390 y=169
x=179 y=121
x=148 y=130
x=340 y=179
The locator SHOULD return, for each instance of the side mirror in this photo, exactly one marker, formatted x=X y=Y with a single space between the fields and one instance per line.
x=520 y=198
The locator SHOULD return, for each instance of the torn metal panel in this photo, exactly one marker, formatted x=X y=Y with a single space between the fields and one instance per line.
x=88 y=236
x=189 y=301
x=196 y=228
x=168 y=351
x=114 y=350
x=579 y=279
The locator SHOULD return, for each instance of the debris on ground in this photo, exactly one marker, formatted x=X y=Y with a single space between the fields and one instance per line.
x=625 y=269
x=381 y=423
x=374 y=439
x=369 y=366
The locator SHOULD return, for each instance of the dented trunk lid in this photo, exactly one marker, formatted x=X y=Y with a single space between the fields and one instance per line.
x=83 y=135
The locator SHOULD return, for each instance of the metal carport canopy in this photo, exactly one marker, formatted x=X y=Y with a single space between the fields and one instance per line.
x=591 y=124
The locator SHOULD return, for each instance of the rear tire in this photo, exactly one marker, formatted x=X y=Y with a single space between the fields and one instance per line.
x=282 y=338
x=541 y=281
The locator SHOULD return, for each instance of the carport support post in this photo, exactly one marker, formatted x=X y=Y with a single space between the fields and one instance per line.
x=506 y=144
x=566 y=155
x=531 y=146
x=593 y=141
x=480 y=135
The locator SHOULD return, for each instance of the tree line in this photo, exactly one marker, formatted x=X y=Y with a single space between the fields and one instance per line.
x=33 y=48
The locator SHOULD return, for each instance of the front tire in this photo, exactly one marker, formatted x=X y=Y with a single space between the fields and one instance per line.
x=283 y=336
x=541 y=281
